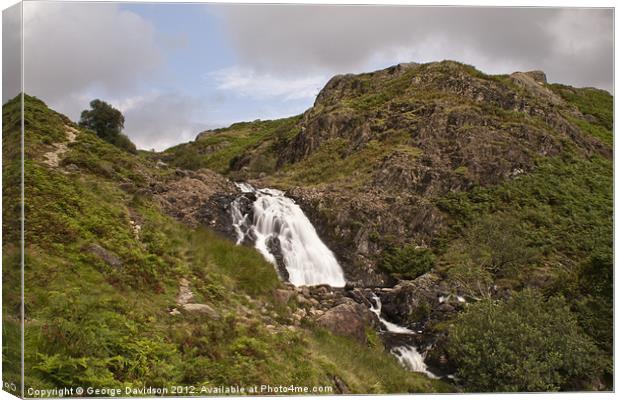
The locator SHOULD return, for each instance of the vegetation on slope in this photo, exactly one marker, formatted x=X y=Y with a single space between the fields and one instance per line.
x=221 y=149
x=93 y=322
x=527 y=343
x=518 y=180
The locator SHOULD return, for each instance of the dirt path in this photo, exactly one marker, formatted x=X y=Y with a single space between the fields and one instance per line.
x=53 y=157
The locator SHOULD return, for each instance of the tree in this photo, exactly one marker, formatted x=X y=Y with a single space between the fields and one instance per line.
x=108 y=123
x=527 y=343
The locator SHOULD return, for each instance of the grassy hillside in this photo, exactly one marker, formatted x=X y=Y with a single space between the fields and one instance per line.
x=103 y=317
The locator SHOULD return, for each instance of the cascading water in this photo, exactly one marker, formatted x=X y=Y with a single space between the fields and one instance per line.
x=306 y=258
x=308 y=261
x=411 y=359
x=407 y=354
x=389 y=326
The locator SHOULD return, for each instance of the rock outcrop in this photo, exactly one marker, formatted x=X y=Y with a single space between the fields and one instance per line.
x=347 y=319
x=198 y=198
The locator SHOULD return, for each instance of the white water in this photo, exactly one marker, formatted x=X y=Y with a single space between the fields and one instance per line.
x=407 y=355
x=306 y=258
x=389 y=326
x=411 y=359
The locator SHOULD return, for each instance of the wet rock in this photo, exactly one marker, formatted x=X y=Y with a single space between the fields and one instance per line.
x=412 y=301
x=273 y=245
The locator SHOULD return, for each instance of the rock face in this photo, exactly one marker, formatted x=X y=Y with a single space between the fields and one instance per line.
x=199 y=198
x=440 y=127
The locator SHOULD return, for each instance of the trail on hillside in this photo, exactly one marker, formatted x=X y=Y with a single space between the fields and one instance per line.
x=52 y=158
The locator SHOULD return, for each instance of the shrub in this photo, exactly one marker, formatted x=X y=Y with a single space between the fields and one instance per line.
x=407 y=262
x=527 y=343
x=123 y=142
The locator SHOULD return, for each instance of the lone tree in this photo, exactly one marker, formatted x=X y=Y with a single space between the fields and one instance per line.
x=108 y=123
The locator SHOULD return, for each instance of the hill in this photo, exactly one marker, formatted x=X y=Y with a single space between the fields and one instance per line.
x=120 y=295
x=480 y=185
x=475 y=209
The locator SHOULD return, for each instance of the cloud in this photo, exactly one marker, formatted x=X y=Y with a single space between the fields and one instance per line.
x=573 y=46
x=159 y=120
x=11 y=52
x=247 y=82
x=73 y=47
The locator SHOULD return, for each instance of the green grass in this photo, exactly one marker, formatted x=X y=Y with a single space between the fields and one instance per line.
x=595 y=102
x=218 y=150
x=332 y=163
x=366 y=369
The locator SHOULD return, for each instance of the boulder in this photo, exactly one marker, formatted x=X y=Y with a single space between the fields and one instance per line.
x=538 y=76
x=348 y=319
x=201 y=309
x=403 y=303
x=282 y=296
x=107 y=256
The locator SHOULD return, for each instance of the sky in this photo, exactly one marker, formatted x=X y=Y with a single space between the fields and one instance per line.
x=177 y=69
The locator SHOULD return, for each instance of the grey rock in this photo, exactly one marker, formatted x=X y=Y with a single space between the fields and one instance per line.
x=107 y=256
x=201 y=309
x=347 y=319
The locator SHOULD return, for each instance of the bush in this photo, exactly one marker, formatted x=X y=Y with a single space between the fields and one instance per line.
x=407 y=262
x=123 y=142
x=524 y=344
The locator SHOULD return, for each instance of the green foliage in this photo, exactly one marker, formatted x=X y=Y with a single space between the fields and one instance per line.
x=563 y=207
x=527 y=343
x=367 y=369
x=590 y=286
x=107 y=122
x=590 y=101
x=123 y=142
x=497 y=243
x=407 y=262
x=596 y=130
x=555 y=224
x=222 y=149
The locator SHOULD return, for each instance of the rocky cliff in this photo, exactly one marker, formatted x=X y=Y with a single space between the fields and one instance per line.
x=371 y=160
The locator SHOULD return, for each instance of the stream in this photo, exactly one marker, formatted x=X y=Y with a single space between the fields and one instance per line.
x=281 y=232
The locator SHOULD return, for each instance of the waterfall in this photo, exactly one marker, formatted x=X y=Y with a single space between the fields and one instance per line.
x=411 y=359
x=407 y=355
x=389 y=326
x=306 y=258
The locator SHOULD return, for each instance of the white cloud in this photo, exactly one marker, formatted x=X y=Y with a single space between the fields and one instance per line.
x=11 y=52
x=247 y=82
x=574 y=46
x=70 y=48
x=158 y=120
